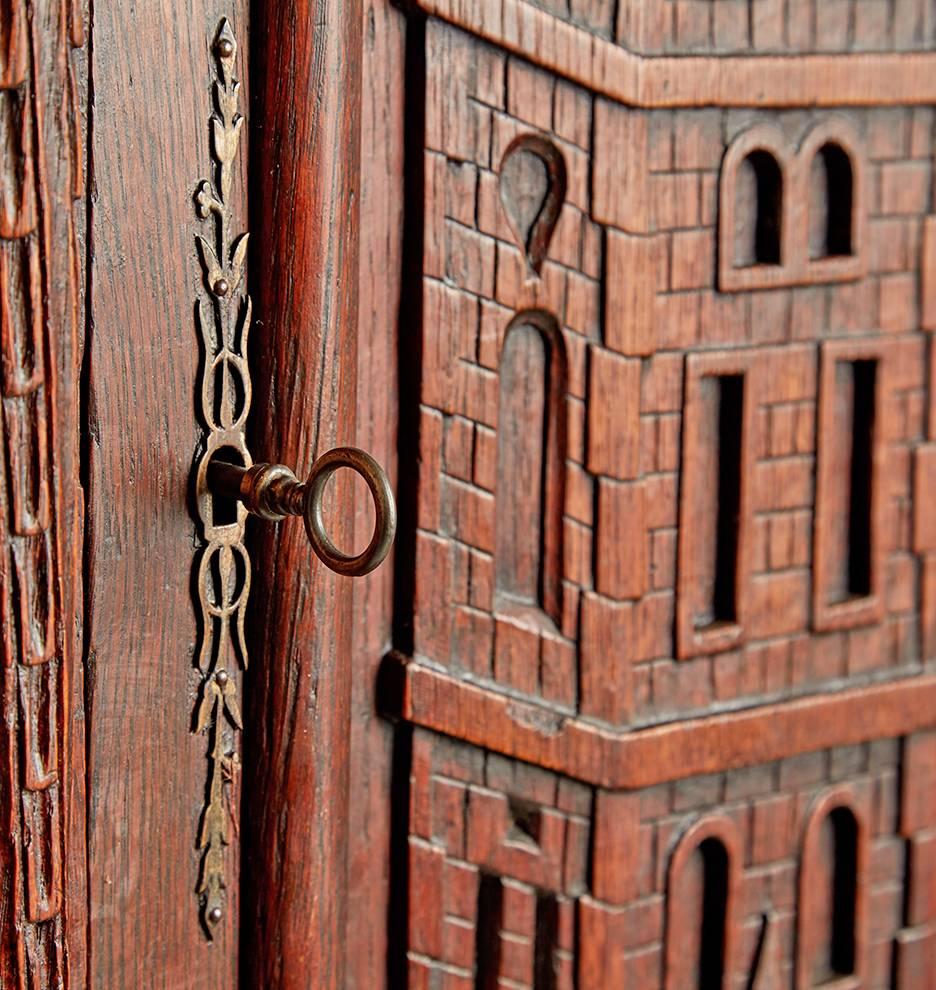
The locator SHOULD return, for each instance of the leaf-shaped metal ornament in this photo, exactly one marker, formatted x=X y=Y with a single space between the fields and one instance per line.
x=222 y=567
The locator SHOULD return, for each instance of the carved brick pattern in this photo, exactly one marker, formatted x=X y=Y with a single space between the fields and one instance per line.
x=464 y=808
x=613 y=913
x=757 y=26
x=631 y=276
x=476 y=281
x=35 y=683
x=653 y=187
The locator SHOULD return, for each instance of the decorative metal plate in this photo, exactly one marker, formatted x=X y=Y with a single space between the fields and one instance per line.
x=222 y=567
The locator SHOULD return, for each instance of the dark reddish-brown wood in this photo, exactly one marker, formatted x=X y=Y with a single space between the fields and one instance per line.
x=43 y=897
x=147 y=769
x=307 y=206
x=741 y=274
x=643 y=334
x=374 y=943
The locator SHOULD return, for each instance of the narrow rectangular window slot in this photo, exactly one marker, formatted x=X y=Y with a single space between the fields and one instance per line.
x=547 y=937
x=719 y=445
x=730 y=428
x=851 y=511
x=488 y=932
x=724 y=424
x=855 y=387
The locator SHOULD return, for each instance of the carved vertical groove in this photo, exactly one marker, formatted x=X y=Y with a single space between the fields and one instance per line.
x=222 y=565
x=37 y=163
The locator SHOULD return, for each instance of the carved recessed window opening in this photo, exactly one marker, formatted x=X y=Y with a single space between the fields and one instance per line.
x=849 y=525
x=831 y=203
x=530 y=469
x=832 y=894
x=546 y=940
x=532 y=190
x=758 y=210
x=718 y=451
x=491 y=964
x=701 y=893
x=488 y=924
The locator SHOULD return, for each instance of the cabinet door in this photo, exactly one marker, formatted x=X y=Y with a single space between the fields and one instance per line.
x=174 y=817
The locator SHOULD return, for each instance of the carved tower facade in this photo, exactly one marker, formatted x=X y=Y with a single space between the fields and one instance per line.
x=673 y=666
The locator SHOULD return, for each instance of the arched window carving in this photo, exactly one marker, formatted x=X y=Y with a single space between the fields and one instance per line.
x=758 y=210
x=831 y=203
x=701 y=893
x=830 y=170
x=530 y=467
x=754 y=211
x=832 y=909
x=788 y=215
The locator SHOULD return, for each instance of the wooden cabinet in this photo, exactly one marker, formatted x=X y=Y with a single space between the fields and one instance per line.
x=634 y=303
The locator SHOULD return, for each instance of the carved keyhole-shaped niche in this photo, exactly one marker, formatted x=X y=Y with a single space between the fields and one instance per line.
x=532 y=190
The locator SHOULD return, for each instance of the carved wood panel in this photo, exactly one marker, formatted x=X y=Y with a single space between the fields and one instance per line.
x=41 y=745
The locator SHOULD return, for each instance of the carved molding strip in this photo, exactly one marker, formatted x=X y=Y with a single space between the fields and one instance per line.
x=39 y=286
x=639 y=758
x=873 y=79
x=222 y=567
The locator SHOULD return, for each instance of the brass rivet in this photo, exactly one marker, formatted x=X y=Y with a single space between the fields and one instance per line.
x=214 y=915
x=220 y=288
x=225 y=48
x=221 y=677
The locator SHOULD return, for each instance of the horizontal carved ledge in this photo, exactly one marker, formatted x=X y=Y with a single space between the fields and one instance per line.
x=865 y=79
x=645 y=757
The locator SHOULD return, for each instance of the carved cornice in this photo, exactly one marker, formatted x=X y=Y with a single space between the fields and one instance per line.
x=637 y=758
x=872 y=79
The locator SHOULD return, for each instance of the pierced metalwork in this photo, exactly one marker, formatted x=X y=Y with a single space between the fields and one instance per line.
x=222 y=567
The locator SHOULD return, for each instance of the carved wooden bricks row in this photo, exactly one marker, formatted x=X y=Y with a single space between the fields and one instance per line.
x=40 y=172
x=710 y=881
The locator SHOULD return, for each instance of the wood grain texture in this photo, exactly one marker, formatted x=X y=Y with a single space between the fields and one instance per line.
x=152 y=77
x=309 y=63
x=370 y=856
x=42 y=850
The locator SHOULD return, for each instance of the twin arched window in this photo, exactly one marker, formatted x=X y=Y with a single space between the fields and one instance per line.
x=703 y=885
x=764 y=239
